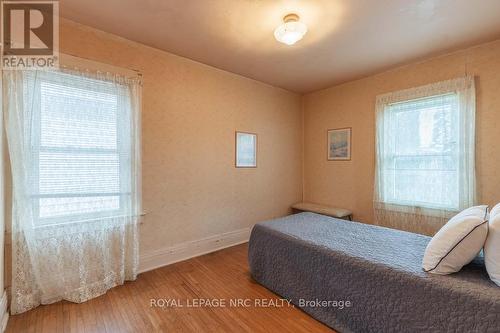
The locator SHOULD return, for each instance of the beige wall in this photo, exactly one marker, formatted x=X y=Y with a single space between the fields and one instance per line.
x=191 y=188
x=350 y=184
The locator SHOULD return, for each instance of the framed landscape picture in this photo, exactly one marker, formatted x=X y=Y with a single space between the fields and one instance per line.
x=246 y=150
x=339 y=144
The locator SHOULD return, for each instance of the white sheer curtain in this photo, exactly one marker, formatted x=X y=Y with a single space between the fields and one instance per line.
x=74 y=145
x=425 y=160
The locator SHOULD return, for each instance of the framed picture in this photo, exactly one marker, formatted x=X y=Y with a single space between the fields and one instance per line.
x=246 y=150
x=339 y=144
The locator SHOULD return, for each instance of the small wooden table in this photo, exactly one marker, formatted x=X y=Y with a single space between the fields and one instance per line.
x=339 y=213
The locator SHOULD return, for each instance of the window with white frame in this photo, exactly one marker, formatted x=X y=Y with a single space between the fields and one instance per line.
x=422 y=153
x=81 y=146
x=425 y=147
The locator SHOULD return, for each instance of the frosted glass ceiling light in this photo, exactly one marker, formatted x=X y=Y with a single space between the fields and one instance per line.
x=291 y=31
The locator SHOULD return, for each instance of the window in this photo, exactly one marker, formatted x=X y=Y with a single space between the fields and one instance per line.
x=422 y=153
x=425 y=147
x=74 y=146
x=81 y=146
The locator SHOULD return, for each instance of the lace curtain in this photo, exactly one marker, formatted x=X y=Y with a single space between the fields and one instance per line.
x=425 y=160
x=74 y=145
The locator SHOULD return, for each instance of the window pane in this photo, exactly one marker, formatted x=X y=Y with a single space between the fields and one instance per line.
x=80 y=148
x=78 y=173
x=422 y=166
x=432 y=186
x=74 y=117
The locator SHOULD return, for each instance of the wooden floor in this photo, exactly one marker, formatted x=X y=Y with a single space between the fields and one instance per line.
x=220 y=275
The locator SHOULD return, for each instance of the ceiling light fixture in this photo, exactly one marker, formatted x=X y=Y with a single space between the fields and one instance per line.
x=291 y=31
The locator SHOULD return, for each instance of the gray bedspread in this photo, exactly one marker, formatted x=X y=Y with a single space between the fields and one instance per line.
x=309 y=257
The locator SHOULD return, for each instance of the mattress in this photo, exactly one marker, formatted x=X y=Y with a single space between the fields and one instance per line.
x=356 y=277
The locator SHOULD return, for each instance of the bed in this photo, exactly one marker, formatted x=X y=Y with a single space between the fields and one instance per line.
x=356 y=277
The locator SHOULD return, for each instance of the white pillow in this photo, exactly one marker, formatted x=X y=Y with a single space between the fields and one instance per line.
x=458 y=242
x=492 y=246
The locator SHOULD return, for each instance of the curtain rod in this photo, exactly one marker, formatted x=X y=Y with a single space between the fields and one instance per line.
x=98 y=62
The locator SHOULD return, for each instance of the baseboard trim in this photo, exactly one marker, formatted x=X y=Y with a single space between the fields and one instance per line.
x=4 y=311
x=169 y=255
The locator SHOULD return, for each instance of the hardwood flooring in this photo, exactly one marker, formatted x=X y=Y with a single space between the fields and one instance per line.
x=219 y=275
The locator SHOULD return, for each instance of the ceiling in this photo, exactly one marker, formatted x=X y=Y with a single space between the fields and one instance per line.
x=347 y=39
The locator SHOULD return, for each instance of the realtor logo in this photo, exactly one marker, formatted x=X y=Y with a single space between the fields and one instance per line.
x=30 y=34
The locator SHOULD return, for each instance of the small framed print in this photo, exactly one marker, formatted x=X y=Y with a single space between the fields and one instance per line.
x=339 y=144
x=246 y=150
